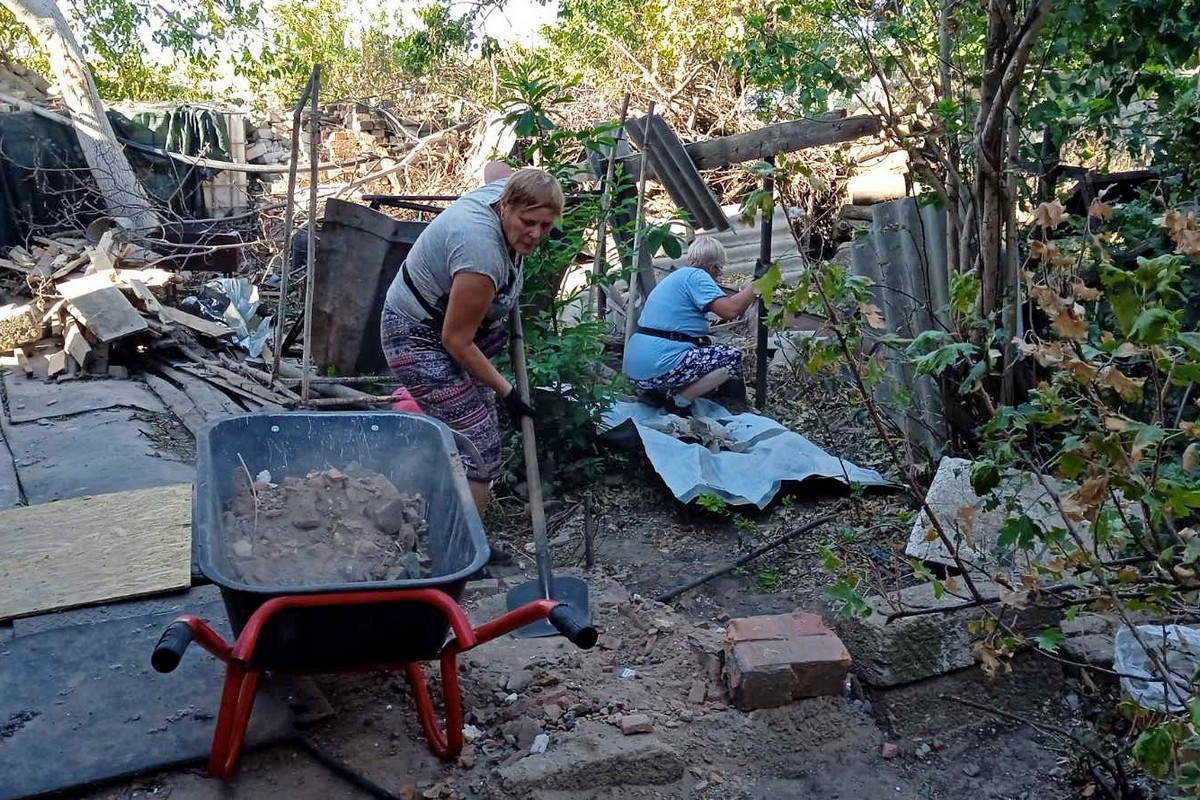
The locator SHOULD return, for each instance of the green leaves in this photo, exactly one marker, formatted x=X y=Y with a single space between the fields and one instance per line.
x=1049 y=640
x=1154 y=751
x=765 y=286
x=849 y=602
x=1020 y=532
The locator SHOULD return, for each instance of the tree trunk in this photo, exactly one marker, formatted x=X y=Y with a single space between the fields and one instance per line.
x=1009 y=39
x=114 y=177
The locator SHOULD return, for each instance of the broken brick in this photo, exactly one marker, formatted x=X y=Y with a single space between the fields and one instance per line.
x=771 y=661
x=636 y=723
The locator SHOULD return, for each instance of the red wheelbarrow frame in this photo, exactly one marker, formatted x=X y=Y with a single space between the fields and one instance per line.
x=242 y=680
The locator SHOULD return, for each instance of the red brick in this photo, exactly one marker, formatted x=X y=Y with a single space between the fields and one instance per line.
x=636 y=723
x=775 y=626
x=766 y=673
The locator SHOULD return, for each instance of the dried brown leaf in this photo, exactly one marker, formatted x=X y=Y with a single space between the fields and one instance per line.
x=1098 y=210
x=1191 y=456
x=1070 y=325
x=873 y=316
x=1128 y=388
x=1043 y=251
x=1116 y=424
x=1084 y=293
x=1092 y=494
x=966 y=515
x=1049 y=215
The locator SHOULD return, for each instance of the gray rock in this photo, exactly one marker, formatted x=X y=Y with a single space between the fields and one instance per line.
x=596 y=755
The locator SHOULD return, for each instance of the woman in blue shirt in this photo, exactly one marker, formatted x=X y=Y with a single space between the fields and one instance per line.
x=671 y=357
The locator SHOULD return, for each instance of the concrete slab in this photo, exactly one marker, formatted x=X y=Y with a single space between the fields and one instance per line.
x=913 y=648
x=102 y=451
x=30 y=399
x=974 y=529
x=82 y=704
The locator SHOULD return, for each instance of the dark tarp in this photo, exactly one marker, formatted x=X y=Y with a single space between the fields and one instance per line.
x=46 y=187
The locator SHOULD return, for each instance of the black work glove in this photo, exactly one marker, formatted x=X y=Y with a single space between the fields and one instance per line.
x=517 y=407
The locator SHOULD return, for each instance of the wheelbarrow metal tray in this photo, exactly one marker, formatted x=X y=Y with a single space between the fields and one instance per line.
x=417 y=454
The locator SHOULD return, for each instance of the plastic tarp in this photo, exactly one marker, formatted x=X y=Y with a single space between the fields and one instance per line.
x=772 y=454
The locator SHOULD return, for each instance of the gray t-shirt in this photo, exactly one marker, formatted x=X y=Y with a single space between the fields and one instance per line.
x=465 y=237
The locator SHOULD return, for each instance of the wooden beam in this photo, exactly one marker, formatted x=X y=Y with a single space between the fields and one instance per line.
x=198 y=324
x=107 y=314
x=783 y=137
x=75 y=343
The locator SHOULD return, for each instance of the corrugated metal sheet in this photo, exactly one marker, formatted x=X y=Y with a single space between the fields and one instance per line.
x=742 y=245
x=675 y=171
x=904 y=253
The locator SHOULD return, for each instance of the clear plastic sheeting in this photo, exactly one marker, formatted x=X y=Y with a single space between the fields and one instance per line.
x=1175 y=646
x=751 y=460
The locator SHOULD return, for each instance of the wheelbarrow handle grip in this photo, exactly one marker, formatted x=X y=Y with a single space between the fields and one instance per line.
x=567 y=622
x=170 y=647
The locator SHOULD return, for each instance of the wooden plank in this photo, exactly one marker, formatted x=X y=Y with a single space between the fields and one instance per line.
x=198 y=324
x=75 y=344
x=771 y=140
x=242 y=387
x=56 y=363
x=142 y=292
x=179 y=403
x=69 y=267
x=23 y=362
x=209 y=400
x=106 y=313
x=94 y=549
x=101 y=256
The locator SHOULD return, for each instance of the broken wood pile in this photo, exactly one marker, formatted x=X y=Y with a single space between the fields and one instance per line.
x=85 y=298
x=91 y=302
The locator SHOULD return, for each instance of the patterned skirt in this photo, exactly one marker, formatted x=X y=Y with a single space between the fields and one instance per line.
x=695 y=365
x=442 y=388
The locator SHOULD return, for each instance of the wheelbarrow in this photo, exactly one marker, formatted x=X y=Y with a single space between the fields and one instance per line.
x=345 y=627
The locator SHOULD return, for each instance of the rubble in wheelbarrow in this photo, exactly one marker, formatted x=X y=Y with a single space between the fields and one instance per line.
x=329 y=526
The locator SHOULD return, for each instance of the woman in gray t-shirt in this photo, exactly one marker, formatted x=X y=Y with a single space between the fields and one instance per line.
x=446 y=312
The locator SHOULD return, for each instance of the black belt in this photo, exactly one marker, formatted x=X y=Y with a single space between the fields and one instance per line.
x=675 y=336
x=436 y=315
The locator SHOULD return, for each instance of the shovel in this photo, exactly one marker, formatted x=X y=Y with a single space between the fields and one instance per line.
x=572 y=618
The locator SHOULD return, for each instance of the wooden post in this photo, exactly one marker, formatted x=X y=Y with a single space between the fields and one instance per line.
x=314 y=135
x=635 y=276
x=760 y=269
x=600 y=265
x=288 y=217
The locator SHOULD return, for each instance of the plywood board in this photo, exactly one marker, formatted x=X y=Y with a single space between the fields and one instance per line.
x=94 y=549
x=107 y=313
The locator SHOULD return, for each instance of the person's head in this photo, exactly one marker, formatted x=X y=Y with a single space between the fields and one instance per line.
x=708 y=254
x=495 y=170
x=532 y=201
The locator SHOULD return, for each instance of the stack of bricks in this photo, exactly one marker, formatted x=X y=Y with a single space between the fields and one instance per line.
x=771 y=661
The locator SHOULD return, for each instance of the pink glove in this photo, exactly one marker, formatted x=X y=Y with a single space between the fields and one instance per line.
x=405 y=401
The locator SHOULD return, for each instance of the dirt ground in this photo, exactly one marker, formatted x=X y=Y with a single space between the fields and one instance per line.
x=663 y=661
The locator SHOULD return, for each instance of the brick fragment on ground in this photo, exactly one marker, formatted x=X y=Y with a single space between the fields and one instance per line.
x=636 y=723
x=772 y=660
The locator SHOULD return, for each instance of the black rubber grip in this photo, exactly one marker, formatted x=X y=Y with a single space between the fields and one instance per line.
x=567 y=622
x=170 y=647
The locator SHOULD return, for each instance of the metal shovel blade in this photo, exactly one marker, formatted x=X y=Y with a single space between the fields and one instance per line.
x=565 y=589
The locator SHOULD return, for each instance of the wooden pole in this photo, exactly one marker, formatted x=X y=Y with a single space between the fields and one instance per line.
x=600 y=266
x=760 y=269
x=314 y=136
x=288 y=217
x=635 y=276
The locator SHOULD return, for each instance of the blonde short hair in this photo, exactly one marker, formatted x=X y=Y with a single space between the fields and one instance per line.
x=533 y=188
x=705 y=251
